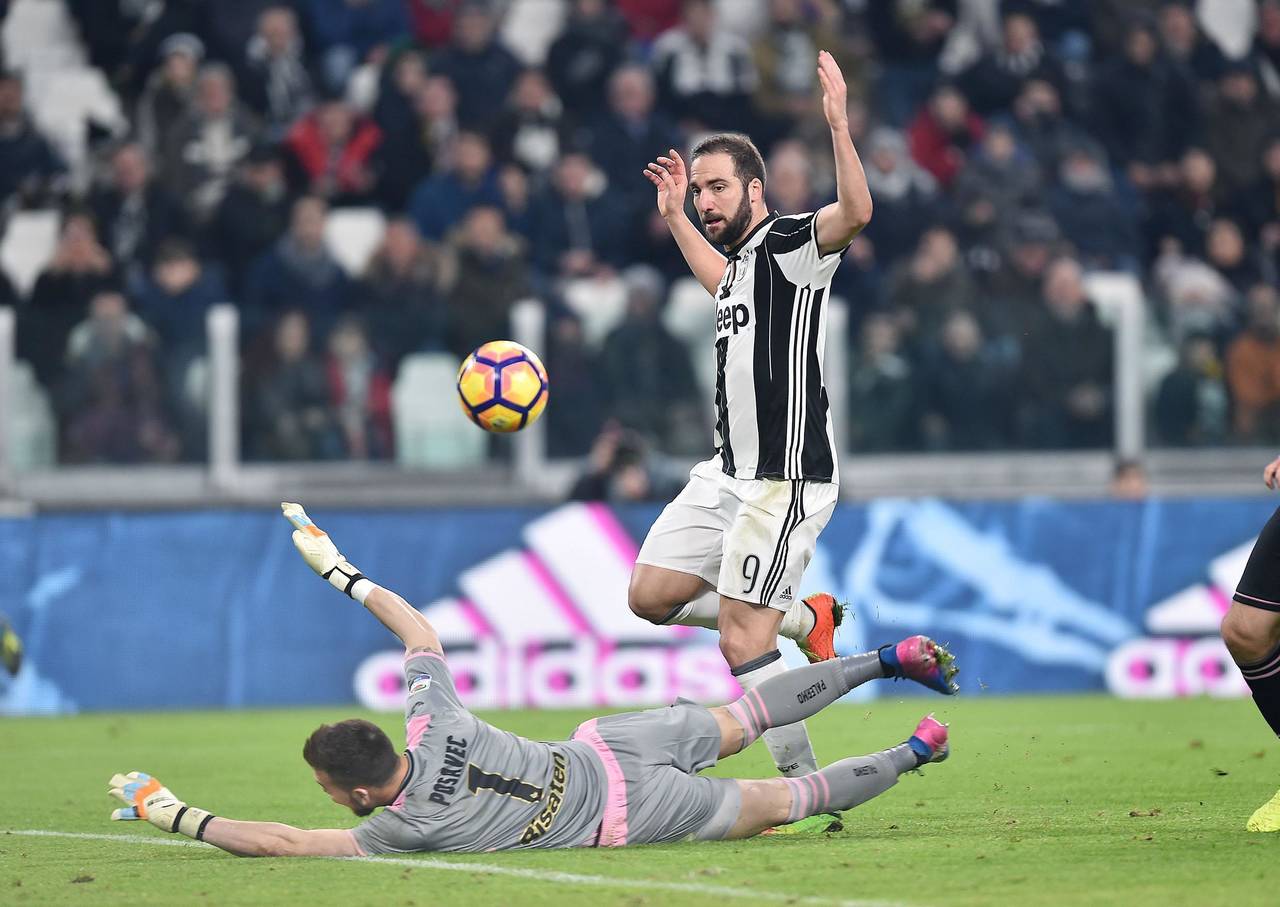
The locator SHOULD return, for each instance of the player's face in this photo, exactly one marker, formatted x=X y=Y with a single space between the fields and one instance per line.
x=356 y=800
x=723 y=203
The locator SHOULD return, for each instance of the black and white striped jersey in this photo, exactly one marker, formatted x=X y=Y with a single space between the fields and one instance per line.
x=772 y=417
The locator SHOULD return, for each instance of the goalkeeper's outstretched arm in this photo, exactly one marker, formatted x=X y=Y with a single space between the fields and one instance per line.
x=322 y=556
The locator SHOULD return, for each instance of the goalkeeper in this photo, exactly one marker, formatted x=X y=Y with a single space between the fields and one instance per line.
x=463 y=785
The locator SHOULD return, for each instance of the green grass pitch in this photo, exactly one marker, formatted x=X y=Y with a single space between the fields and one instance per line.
x=1046 y=800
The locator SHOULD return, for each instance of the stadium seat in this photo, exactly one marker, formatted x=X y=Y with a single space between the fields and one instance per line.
x=599 y=304
x=64 y=102
x=690 y=315
x=431 y=430
x=28 y=245
x=353 y=235
x=530 y=26
x=32 y=431
x=40 y=37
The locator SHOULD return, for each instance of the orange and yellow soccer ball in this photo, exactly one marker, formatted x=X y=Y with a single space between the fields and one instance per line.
x=502 y=386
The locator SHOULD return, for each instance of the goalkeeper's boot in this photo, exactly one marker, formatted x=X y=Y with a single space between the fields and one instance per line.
x=820 y=644
x=822 y=823
x=10 y=648
x=921 y=659
x=1267 y=817
x=929 y=742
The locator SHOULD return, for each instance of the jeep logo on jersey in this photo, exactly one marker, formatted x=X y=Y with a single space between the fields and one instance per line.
x=732 y=317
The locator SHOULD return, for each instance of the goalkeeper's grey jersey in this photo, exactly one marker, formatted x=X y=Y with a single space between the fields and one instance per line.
x=472 y=787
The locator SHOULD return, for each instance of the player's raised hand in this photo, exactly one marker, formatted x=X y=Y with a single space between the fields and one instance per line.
x=668 y=174
x=1271 y=475
x=835 y=94
x=318 y=550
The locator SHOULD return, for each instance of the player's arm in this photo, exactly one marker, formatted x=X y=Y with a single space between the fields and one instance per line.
x=838 y=223
x=1271 y=475
x=146 y=798
x=322 y=556
x=671 y=178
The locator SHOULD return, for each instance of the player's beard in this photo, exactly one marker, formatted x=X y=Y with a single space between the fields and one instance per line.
x=363 y=811
x=736 y=227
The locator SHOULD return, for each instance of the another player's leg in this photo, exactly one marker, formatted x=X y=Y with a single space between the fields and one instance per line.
x=1251 y=630
x=840 y=786
x=10 y=647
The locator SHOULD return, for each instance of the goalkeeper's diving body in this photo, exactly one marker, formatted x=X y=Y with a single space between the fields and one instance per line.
x=464 y=785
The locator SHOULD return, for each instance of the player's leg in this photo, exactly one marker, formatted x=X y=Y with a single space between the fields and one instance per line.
x=840 y=786
x=1251 y=631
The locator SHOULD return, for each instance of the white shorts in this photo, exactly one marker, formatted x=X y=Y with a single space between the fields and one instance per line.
x=749 y=538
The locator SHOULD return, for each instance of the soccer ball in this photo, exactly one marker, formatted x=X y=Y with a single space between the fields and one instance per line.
x=502 y=386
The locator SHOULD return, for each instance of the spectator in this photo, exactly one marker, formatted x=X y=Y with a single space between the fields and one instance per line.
x=1008 y=309
x=122 y=37
x=202 y=149
x=1145 y=109
x=31 y=172
x=1191 y=405
x=1068 y=365
x=331 y=153
x=966 y=398
x=1253 y=370
x=135 y=212
x=298 y=271
x=584 y=55
x=576 y=231
x=1003 y=170
x=484 y=275
x=705 y=71
x=111 y=401
x=626 y=138
x=786 y=57
x=442 y=200
x=399 y=297
x=943 y=132
x=790 y=188
x=1186 y=43
x=79 y=270
x=422 y=144
x=285 y=397
x=229 y=26
x=253 y=215
x=652 y=387
x=927 y=287
x=1181 y=215
x=433 y=20
x=360 y=394
x=1259 y=206
x=997 y=78
x=1095 y=220
x=1238 y=122
x=1227 y=254
x=481 y=69
x=532 y=131
x=1128 y=481
x=402 y=78
x=1197 y=299
x=1266 y=48
x=1042 y=127
x=278 y=85
x=575 y=419
x=647 y=19
x=882 y=391
x=170 y=90
x=906 y=195
x=347 y=33
x=909 y=37
x=175 y=296
x=618 y=470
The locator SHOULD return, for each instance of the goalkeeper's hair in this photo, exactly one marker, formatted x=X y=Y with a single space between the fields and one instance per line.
x=354 y=753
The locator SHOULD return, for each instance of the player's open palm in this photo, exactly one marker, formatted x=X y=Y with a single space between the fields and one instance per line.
x=835 y=94
x=671 y=178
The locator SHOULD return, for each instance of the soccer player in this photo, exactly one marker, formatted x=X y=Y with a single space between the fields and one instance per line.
x=729 y=552
x=463 y=785
x=10 y=647
x=1251 y=630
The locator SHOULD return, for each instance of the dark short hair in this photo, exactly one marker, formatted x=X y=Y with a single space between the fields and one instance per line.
x=354 y=753
x=748 y=165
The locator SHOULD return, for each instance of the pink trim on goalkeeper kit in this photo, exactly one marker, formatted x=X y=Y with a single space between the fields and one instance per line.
x=613 y=827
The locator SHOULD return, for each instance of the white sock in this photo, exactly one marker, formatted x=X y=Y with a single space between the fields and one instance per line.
x=790 y=747
x=797 y=623
x=702 y=611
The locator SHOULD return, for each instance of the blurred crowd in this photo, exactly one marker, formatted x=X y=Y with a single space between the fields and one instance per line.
x=1011 y=146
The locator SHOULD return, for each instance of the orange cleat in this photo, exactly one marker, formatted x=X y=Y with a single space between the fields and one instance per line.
x=820 y=644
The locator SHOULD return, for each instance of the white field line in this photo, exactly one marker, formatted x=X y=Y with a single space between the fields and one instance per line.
x=536 y=875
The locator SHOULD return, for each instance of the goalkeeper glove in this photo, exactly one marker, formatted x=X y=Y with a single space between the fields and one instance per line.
x=146 y=798
x=322 y=556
